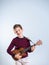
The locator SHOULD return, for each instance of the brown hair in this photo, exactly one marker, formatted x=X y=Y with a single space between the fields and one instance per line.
x=17 y=25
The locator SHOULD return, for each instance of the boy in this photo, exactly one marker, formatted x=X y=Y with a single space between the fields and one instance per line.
x=18 y=42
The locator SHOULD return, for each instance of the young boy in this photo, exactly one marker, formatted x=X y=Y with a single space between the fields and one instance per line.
x=18 y=42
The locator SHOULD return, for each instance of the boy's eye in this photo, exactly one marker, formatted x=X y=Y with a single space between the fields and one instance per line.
x=16 y=31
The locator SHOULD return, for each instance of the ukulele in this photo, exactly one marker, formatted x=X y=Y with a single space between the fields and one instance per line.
x=23 y=51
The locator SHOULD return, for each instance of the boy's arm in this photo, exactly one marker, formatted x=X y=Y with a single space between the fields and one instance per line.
x=32 y=48
x=29 y=46
x=10 y=48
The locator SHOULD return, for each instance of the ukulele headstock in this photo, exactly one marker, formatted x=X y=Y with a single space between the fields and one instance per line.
x=39 y=42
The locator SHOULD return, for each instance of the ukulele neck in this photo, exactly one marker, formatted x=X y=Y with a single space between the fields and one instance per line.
x=25 y=50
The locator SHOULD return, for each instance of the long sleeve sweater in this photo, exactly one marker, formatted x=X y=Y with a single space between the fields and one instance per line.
x=18 y=43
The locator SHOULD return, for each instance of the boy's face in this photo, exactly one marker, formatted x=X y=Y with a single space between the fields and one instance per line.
x=18 y=31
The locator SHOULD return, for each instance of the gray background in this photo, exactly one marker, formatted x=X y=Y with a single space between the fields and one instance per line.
x=33 y=15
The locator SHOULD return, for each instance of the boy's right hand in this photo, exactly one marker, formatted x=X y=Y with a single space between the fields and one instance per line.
x=18 y=56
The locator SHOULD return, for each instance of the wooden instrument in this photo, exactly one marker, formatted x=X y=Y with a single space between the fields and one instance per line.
x=23 y=51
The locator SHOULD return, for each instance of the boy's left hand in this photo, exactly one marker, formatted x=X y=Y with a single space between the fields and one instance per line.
x=32 y=48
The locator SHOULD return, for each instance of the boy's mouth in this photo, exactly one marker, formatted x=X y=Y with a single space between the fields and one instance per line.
x=18 y=33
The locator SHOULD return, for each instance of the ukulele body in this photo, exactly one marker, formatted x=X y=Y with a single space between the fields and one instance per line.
x=19 y=51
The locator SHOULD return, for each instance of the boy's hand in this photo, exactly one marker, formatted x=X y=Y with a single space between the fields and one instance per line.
x=32 y=48
x=18 y=56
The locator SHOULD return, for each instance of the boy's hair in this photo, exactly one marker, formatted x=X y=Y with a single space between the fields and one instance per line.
x=17 y=25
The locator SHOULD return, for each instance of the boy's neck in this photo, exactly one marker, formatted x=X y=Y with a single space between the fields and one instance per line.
x=21 y=36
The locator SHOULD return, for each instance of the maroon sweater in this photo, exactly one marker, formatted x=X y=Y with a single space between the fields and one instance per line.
x=18 y=43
